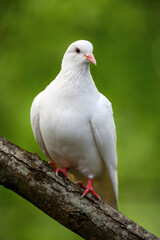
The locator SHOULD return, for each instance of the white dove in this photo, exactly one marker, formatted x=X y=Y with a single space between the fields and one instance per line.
x=73 y=124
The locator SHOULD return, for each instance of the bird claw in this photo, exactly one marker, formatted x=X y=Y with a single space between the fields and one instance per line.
x=63 y=171
x=88 y=188
x=57 y=170
x=92 y=191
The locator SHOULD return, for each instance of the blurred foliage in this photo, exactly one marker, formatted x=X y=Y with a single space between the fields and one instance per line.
x=126 y=37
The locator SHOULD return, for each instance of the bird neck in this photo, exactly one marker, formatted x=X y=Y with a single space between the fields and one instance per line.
x=77 y=76
x=75 y=71
x=74 y=82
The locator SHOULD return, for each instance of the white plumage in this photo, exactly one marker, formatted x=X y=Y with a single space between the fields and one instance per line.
x=73 y=124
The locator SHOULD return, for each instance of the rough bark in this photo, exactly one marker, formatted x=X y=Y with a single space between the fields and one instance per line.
x=33 y=179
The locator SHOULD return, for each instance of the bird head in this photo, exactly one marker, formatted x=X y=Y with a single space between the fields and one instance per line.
x=78 y=53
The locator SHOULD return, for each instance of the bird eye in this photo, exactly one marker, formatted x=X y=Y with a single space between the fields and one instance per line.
x=77 y=50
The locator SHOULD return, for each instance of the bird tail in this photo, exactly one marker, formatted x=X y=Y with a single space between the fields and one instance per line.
x=104 y=187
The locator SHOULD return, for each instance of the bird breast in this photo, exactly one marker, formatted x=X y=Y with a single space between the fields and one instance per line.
x=68 y=137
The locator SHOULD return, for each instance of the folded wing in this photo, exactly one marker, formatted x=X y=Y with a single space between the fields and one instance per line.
x=103 y=128
x=35 y=123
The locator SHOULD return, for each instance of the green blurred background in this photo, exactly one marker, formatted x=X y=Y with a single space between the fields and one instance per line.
x=126 y=37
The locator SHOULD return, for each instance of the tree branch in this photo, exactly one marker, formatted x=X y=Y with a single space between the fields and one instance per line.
x=33 y=179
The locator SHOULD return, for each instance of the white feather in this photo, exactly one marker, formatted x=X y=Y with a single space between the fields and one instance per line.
x=103 y=127
x=73 y=124
x=34 y=117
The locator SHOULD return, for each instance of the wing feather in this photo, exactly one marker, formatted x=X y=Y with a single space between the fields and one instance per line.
x=35 y=124
x=104 y=131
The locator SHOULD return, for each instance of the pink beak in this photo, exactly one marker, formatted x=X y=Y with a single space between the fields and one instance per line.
x=90 y=57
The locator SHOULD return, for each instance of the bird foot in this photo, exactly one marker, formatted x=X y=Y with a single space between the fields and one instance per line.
x=63 y=171
x=88 y=188
x=52 y=165
x=57 y=170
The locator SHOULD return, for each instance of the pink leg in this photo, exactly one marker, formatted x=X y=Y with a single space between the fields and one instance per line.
x=57 y=170
x=89 y=188
x=63 y=171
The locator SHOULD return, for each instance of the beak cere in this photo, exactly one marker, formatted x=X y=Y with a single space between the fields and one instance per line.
x=90 y=58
